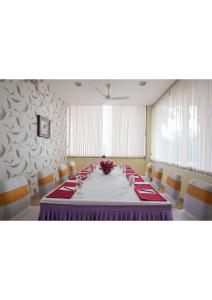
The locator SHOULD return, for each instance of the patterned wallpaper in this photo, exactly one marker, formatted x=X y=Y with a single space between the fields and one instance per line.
x=21 y=150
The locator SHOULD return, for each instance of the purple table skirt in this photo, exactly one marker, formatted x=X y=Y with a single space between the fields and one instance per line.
x=71 y=212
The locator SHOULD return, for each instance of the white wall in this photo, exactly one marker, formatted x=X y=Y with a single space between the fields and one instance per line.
x=21 y=150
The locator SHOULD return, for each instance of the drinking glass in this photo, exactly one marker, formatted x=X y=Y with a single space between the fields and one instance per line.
x=131 y=181
x=119 y=169
x=90 y=170
x=79 y=186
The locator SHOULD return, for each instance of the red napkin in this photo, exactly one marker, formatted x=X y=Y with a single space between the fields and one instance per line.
x=139 y=179
x=146 y=196
x=136 y=179
x=83 y=175
x=128 y=175
x=129 y=170
x=70 y=184
x=144 y=186
x=86 y=169
x=61 y=194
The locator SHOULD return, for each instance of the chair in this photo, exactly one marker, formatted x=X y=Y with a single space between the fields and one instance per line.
x=72 y=168
x=14 y=197
x=157 y=175
x=46 y=181
x=63 y=172
x=172 y=188
x=148 y=172
x=197 y=202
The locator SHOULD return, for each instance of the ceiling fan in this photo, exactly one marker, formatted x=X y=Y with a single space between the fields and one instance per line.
x=108 y=96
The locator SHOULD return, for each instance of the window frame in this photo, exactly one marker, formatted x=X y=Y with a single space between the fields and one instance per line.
x=104 y=156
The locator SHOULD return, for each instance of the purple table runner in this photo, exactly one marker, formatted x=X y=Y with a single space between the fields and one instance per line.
x=72 y=212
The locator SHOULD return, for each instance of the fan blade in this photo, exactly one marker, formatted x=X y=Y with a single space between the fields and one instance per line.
x=98 y=90
x=120 y=98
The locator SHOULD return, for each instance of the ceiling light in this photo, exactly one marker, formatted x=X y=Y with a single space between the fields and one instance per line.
x=142 y=83
x=78 y=83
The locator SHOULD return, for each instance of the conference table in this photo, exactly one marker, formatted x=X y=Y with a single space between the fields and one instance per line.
x=105 y=197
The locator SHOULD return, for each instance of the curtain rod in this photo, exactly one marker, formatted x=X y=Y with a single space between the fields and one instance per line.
x=166 y=91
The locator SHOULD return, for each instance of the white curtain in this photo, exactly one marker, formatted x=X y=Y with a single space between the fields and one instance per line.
x=106 y=130
x=127 y=134
x=182 y=126
x=85 y=125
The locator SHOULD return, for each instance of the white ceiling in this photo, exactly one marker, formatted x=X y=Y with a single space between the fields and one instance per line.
x=87 y=93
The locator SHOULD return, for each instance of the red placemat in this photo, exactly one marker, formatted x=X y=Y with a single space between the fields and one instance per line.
x=61 y=194
x=71 y=184
x=129 y=170
x=139 y=179
x=144 y=186
x=148 y=197
x=136 y=179
x=86 y=169
x=83 y=176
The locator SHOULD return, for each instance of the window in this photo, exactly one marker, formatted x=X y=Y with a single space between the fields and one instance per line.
x=125 y=128
x=106 y=130
x=182 y=126
x=85 y=130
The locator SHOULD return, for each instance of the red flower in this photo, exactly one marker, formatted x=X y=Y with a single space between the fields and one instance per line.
x=106 y=166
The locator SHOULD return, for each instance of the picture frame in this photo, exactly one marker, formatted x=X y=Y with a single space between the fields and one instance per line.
x=43 y=127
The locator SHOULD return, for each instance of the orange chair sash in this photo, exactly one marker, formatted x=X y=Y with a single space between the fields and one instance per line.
x=14 y=195
x=202 y=195
x=72 y=168
x=149 y=170
x=157 y=175
x=63 y=172
x=176 y=185
x=45 y=180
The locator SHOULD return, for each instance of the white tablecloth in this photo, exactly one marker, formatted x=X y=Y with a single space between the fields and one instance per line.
x=105 y=189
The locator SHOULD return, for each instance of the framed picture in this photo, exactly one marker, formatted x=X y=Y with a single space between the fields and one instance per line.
x=43 y=127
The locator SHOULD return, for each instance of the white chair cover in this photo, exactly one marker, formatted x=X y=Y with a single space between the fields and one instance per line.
x=14 y=197
x=172 y=188
x=63 y=172
x=197 y=202
x=157 y=175
x=46 y=181
x=148 y=172
x=72 y=168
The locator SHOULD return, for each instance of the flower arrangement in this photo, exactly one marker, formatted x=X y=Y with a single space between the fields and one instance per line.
x=106 y=166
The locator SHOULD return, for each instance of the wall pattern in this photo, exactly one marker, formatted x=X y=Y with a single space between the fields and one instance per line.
x=21 y=150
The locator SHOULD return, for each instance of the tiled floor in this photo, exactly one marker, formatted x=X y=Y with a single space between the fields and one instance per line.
x=35 y=200
x=31 y=213
x=180 y=204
